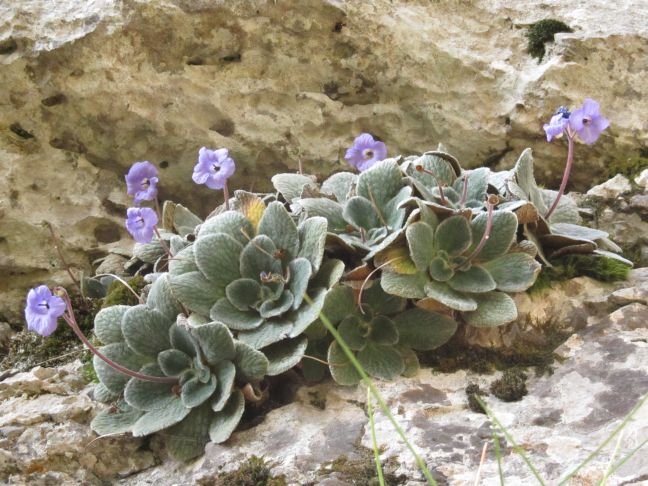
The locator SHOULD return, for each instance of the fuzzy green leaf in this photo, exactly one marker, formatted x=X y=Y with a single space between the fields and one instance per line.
x=329 y=273
x=184 y=221
x=300 y=274
x=182 y=340
x=146 y=331
x=340 y=185
x=155 y=420
x=340 y=367
x=339 y=303
x=274 y=308
x=354 y=332
x=215 y=341
x=502 y=234
x=379 y=301
x=360 y=213
x=271 y=332
x=277 y=224
x=382 y=330
x=258 y=257
x=477 y=183
x=312 y=239
x=381 y=182
x=402 y=285
x=285 y=354
x=107 y=324
x=442 y=292
x=224 y=312
x=173 y=362
x=513 y=272
x=441 y=270
x=494 y=309
x=183 y=262
x=121 y=354
x=307 y=313
x=381 y=361
x=424 y=330
x=251 y=364
x=453 y=235
x=475 y=280
x=162 y=299
x=148 y=395
x=186 y=440
x=225 y=422
x=291 y=185
x=225 y=374
x=195 y=292
x=217 y=257
x=243 y=293
x=231 y=223
x=103 y=394
x=420 y=240
x=194 y=392
x=330 y=210
x=111 y=421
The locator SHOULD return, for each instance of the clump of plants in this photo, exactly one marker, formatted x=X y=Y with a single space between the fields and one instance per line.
x=396 y=257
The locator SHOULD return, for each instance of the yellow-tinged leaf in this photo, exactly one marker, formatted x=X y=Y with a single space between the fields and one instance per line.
x=397 y=260
x=252 y=207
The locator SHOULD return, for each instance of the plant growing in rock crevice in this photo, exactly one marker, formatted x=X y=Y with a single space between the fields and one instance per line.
x=395 y=257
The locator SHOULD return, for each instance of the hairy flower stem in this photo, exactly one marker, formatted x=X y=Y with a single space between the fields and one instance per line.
x=226 y=196
x=568 y=166
x=57 y=246
x=490 y=204
x=162 y=243
x=420 y=168
x=71 y=320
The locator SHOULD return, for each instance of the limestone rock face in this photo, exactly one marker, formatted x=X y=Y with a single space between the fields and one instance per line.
x=91 y=86
x=324 y=436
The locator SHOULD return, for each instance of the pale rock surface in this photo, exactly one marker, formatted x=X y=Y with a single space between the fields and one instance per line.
x=642 y=179
x=601 y=376
x=612 y=188
x=94 y=85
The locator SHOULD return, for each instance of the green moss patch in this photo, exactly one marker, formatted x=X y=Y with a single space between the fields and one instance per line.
x=253 y=472
x=119 y=294
x=511 y=387
x=542 y=32
x=599 y=268
x=630 y=167
x=361 y=469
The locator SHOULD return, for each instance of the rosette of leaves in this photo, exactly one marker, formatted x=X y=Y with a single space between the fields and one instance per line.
x=206 y=403
x=363 y=211
x=562 y=233
x=443 y=186
x=382 y=333
x=255 y=271
x=448 y=271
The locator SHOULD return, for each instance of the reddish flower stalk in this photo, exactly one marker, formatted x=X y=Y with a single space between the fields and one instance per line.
x=464 y=192
x=420 y=168
x=71 y=320
x=568 y=166
x=490 y=204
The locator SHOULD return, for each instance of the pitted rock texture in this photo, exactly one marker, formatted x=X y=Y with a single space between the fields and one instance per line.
x=92 y=86
x=600 y=376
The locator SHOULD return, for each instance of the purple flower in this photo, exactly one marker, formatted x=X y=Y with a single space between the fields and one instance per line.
x=558 y=124
x=365 y=152
x=140 y=223
x=214 y=167
x=141 y=181
x=42 y=310
x=588 y=122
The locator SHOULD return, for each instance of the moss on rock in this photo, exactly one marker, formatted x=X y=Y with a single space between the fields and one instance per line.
x=118 y=293
x=511 y=387
x=253 y=472
x=542 y=32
